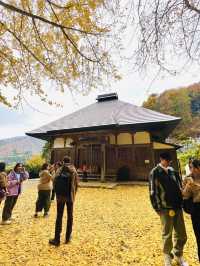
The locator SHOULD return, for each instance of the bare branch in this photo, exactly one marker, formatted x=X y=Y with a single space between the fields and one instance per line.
x=191 y=7
x=59 y=6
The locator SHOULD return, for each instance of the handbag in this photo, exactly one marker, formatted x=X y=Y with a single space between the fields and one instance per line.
x=2 y=193
x=188 y=205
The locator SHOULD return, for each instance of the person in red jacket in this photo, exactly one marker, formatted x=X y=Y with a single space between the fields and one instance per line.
x=85 y=169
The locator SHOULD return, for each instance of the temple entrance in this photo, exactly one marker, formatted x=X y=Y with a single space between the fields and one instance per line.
x=143 y=161
x=90 y=155
x=125 y=163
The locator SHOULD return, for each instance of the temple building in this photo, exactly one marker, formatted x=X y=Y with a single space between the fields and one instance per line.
x=115 y=139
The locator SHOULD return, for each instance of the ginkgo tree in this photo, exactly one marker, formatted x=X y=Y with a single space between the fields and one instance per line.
x=64 y=42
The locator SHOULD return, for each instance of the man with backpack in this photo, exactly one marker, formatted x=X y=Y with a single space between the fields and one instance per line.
x=66 y=183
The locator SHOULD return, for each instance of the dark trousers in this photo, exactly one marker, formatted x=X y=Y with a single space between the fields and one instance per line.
x=196 y=225
x=8 y=207
x=53 y=194
x=60 y=211
x=43 y=201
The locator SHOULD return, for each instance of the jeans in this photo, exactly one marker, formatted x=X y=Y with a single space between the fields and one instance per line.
x=43 y=201
x=60 y=211
x=8 y=207
x=173 y=224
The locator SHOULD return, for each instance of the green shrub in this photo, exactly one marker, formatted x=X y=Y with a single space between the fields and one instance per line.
x=185 y=156
x=34 y=164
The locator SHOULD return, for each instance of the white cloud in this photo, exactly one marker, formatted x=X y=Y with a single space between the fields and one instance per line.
x=131 y=89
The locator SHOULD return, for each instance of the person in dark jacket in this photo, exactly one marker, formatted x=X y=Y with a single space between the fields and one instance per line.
x=192 y=191
x=66 y=183
x=166 y=199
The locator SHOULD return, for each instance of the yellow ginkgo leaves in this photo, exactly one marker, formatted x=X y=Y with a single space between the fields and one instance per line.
x=64 y=42
x=112 y=227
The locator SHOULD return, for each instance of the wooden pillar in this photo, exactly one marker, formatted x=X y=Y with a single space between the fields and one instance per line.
x=103 y=162
x=50 y=143
x=116 y=154
x=152 y=162
x=91 y=159
x=134 y=168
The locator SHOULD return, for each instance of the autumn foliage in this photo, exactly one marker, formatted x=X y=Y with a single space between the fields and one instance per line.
x=183 y=102
x=62 y=42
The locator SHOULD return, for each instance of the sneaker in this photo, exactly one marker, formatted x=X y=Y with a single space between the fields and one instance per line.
x=167 y=260
x=6 y=222
x=54 y=242
x=180 y=261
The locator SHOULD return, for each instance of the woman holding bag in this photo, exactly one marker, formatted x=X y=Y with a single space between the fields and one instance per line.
x=15 y=179
x=192 y=191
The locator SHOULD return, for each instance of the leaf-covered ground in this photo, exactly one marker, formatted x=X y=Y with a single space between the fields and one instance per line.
x=111 y=227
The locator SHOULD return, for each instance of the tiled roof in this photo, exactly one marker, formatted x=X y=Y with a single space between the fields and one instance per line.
x=113 y=112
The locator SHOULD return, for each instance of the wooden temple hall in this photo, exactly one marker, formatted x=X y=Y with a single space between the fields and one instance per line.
x=115 y=139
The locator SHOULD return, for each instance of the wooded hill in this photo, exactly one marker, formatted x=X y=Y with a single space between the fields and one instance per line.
x=19 y=149
x=183 y=102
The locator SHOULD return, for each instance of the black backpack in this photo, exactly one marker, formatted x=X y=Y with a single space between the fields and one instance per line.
x=63 y=183
x=188 y=205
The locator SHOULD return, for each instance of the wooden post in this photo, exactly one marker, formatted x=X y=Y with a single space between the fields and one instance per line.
x=134 y=170
x=103 y=162
x=152 y=163
x=116 y=155
x=91 y=159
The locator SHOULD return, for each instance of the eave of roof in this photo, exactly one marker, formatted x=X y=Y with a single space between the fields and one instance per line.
x=176 y=146
x=138 y=127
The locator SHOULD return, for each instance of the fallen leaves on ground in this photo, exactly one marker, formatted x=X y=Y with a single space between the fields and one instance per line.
x=112 y=227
